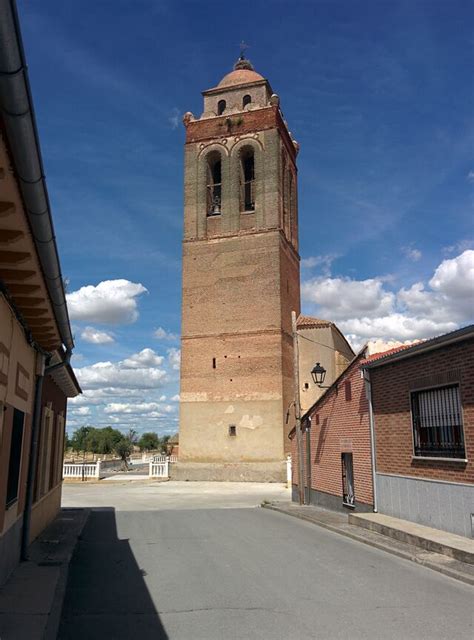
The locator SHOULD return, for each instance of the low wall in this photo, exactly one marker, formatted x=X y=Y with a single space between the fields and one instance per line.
x=442 y=505
x=229 y=472
x=44 y=511
x=10 y=550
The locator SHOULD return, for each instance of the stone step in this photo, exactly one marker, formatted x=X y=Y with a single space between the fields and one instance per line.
x=435 y=540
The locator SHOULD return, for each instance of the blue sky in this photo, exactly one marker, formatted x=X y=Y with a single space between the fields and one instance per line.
x=379 y=96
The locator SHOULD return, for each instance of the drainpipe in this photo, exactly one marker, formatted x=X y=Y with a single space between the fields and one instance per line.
x=308 y=458
x=41 y=371
x=368 y=393
x=296 y=381
x=33 y=459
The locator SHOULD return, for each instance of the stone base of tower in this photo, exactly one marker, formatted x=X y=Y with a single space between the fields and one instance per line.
x=229 y=471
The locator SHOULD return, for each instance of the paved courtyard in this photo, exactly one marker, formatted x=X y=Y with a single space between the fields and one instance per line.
x=201 y=560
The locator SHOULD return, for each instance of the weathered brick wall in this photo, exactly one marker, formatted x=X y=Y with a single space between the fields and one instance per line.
x=391 y=385
x=240 y=284
x=340 y=423
x=239 y=124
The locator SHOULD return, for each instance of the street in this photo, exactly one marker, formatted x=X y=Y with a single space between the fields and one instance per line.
x=203 y=571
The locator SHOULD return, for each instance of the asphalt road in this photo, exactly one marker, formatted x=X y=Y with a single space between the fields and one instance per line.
x=241 y=573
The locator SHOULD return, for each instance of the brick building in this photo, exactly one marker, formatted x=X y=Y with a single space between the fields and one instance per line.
x=240 y=283
x=423 y=404
x=35 y=334
x=336 y=444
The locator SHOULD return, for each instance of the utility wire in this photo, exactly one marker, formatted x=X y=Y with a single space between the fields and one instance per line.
x=316 y=342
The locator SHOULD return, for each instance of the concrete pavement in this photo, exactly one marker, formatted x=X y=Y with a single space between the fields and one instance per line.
x=196 y=571
x=129 y=495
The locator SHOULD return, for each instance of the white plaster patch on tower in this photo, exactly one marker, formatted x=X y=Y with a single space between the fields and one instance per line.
x=230 y=409
x=250 y=422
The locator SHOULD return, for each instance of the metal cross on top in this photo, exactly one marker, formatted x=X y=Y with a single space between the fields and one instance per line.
x=243 y=47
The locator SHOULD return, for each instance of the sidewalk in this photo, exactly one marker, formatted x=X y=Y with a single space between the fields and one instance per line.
x=31 y=600
x=339 y=523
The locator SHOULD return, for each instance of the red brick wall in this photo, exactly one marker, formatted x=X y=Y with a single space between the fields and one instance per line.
x=391 y=385
x=248 y=122
x=343 y=426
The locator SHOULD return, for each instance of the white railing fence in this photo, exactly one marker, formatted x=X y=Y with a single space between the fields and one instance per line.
x=159 y=469
x=162 y=458
x=82 y=470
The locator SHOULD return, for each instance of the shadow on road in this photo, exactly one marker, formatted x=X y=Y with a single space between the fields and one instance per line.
x=106 y=595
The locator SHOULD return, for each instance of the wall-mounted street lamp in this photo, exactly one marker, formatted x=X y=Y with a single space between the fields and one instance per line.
x=318 y=373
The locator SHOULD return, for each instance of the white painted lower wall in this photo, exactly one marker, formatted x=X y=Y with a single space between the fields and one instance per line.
x=442 y=505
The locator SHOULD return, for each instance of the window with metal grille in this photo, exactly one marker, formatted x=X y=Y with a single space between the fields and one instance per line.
x=437 y=423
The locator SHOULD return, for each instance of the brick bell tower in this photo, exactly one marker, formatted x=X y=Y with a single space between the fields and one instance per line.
x=240 y=282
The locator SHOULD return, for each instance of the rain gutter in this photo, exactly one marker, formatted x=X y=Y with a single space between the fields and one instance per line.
x=17 y=114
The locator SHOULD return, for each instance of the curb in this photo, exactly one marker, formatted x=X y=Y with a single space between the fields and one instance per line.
x=54 y=616
x=440 y=568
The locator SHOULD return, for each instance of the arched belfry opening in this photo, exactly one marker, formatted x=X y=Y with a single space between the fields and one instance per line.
x=221 y=106
x=214 y=184
x=247 y=99
x=247 y=180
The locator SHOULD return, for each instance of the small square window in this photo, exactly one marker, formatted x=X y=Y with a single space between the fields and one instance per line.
x=232 y=430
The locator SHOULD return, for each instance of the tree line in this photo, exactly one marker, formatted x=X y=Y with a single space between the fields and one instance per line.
x=110 y=440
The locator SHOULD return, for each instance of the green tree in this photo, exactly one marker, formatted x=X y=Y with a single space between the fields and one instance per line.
x=149 y=441
x=109 y=438
x=79 y=438
x=123 y=449
x=93 y=440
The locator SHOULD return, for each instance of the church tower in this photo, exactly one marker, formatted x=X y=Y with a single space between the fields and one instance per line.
x=240 y=282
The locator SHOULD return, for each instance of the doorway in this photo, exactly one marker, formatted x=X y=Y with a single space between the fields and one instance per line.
x=348 y=493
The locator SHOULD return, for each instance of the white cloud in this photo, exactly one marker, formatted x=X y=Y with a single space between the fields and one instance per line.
x=323 y=261
x=80 y=411
x=139 y=371
x=174 y=358
x=138 y=408
x=175 y=398
x=144 y=359
x=110 y=302
x=395 y=326
x=412 y=253
x=461 y=246
x=340 y=298
x=453 y=280
x=94 y=336
x=470 y=176
x=162 y=334
x=174 y=118
x=367 y=310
